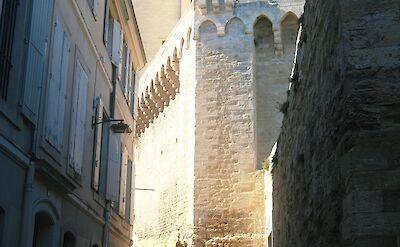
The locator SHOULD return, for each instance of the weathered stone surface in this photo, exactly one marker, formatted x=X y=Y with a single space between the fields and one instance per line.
x=336 y=172
x=203 y=153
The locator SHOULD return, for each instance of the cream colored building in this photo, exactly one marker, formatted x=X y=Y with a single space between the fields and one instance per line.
x=66 y=170
x=207 y=118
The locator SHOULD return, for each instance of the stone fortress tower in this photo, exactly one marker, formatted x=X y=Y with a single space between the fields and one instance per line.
x=207 y=116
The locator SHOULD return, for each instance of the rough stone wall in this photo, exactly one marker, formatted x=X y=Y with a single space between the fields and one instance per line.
x=336 y=172
x=238 y=82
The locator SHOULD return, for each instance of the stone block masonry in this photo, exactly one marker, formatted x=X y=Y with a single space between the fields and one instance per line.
x=242 y=63
x=336 y=172
x=201 y=146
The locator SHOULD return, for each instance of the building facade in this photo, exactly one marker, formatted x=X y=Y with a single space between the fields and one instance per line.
x=66 y=168
x=207 y=117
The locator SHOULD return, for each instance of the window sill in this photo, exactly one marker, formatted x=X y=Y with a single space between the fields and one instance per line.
x=76 y=177
x=11 y=116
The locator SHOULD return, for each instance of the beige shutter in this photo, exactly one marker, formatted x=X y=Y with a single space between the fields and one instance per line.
x=122 y=196
x=97 y=144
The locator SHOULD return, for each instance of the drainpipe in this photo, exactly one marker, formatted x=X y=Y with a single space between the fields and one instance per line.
x=28 y=218
x=106 y=230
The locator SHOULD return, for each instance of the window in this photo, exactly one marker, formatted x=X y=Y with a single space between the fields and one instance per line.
x=78 y=119
x=8 y=12
x=57 y=87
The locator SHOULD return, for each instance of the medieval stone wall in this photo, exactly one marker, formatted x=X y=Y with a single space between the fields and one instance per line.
x=197 y=134
x=164 y=152
x=242 y=75
x=337 y=165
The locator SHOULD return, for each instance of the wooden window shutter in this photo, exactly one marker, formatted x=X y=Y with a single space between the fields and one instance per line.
x=113 y=168
x=116 y=44
x=97 y=144
x=78 y=119
x=57 y=88
x=36 y=56
x=122 y=195
x=63 y=90
x=81 y=121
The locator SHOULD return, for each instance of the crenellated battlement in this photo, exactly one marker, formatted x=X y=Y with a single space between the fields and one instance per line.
x=248 y=13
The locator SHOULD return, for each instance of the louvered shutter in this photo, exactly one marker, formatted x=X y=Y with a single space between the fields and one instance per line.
x=54 y=85
x=116 y=44
x=63 y=91
x=81 y=121
x=57 y=88
x=97 y=144
x=78 y=119
x=37 y=45
x=122 y=193
x=113 y=168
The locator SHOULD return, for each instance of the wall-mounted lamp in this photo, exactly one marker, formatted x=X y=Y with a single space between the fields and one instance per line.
x=119 y=128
